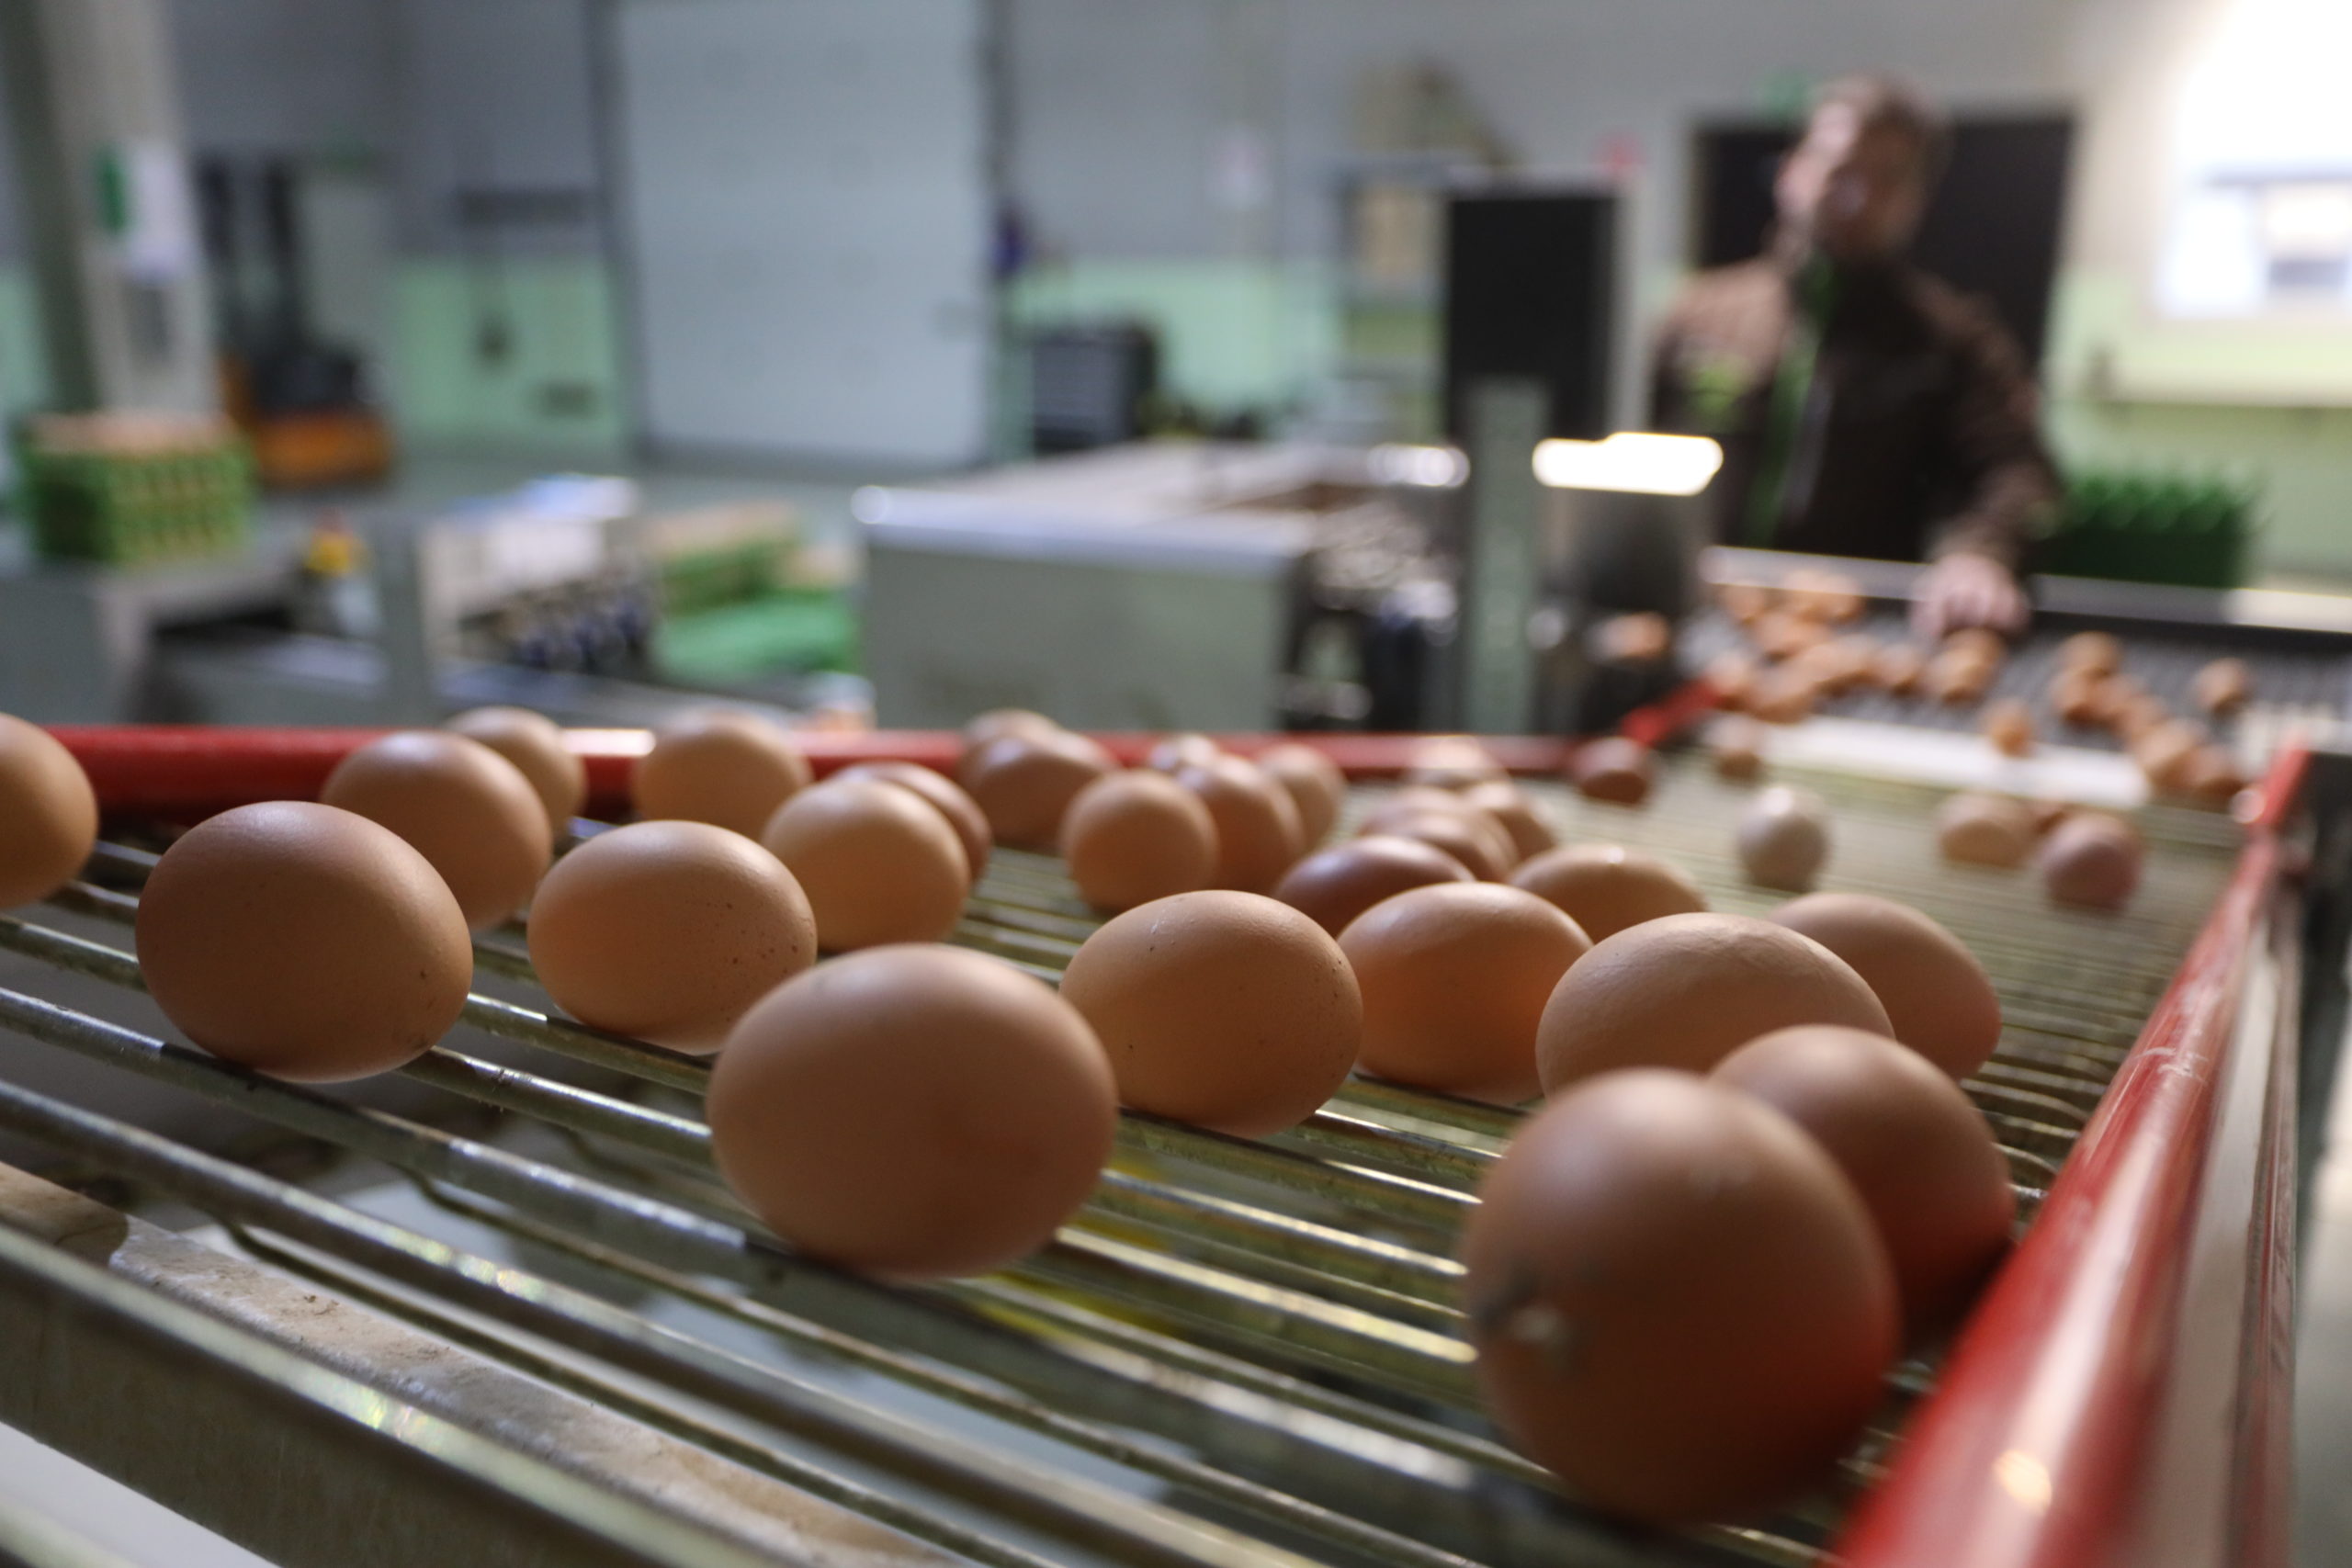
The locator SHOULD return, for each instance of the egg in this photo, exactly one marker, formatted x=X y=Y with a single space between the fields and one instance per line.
x=875 y=861
x=2132 y=714
x=1172 y=752
x=1779 y=634
x=1916 y=1150
x=1783 y=839
x=1679 y=1306
x=1332 y=887
x=1531 y=833
x=1606 y=889
x=913 y=1113
x=719 y=766
x=1743 y=602
x=2008 y=725
x=2080 y=697
x=2222 y=687
x=1984 y=829
x=1783 y=696
x=1133 y=837
x=1450 y=761
x=535 y=745
x=669 y=931
x=2094 y=653
x=1316 y=785
x=1732 y=676
x=1023 y=783
x=1259 y=835
x=2093 y=861
x=1220 y=1009
x=2212 y=777
x=998 y=723
x=49 y=813
x=303 y=941
x=1615 y=770
x=1642 y=637
x=1957 y=679
x=1455 y=977
x=1686 y=990
x=1899 y=668
x=1474 y=841
x=1978 y=643
x=2166 y=752
x=1936 y=994
x=961 y=811
x=1737 y=747
x=1416 y=800
x=468 y=810
x=1829 y=596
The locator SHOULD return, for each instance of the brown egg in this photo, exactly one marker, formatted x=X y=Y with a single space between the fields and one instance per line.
x=945 y=796
x=2080 y=697
x=1916 y=1150
x=876 y=862
x=1450 y=761
x=1783 y=839
x=1414 y=799
x=1332 y=887
x=1531 y=833
x=465 y=808
x=1454 y=978
x=535 y=745
x=1316 y=785
x=1977 y=643
x=2132 y=714
x=1686 y=990
x=1733 y=676
x=1221 y=1008
x=1900 y=667
x=1616 y=769
x=2222 y=687
x=1829 y=596
x=1935 y=992
x=1023 y=783
x=1984 y=829
x=2047 y=814
x=913 y=1113
x=49 y=814
x=2093 y=860
x=729 y=769
x=1783 y=696
x=2008 y=725
x=1607 y=888
x=303 y=941
x=1473 y=841
x=1837 y=668
x=1257 y=831
x=1779 y=634
x=1643 y=637
x=1680 y=1307
x=1133 y=837
x=1175 y=752
x=2167 y=752
x=998 y=723
x=2094 y=653
x=669 y=931
x=1957 y=679
x=2212 y=777
x=1736 y=746
x=1743 y=602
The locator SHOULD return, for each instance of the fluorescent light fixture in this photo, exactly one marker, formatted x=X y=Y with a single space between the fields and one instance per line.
x=1631 y=462
x=1423 y=468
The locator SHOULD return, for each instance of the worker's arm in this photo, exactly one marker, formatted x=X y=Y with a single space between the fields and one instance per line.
x=2008 y=484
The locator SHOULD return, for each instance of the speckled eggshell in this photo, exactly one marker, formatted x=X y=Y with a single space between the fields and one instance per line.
x=1455 y=977
x=1130 y=838
x=1259 y=835
x=1332 y=887
x=1686 y=990
x=1914 y=1146
x=303 y=941
x=1607 y=888
x=669 y=931
x=1680 y=1307
x=945 y=796
x=465 y=808
x=1935 y=993
x=1023 y=783
x=49 y=813
x=876 y=862
x=1316 y=785
x=535 y=745
x=1221 y=1008
x=719 y=766
x=913 y=1113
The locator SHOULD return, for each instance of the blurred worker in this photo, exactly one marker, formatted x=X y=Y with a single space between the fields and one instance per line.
x=1864 y=407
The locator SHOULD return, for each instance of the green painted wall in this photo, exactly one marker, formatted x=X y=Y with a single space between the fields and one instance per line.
x=23 y=361
x=526 y=355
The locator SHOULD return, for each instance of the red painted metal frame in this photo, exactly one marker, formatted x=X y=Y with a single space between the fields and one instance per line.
x=2030 y=1454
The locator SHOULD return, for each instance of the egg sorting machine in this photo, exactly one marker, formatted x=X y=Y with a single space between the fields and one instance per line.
x=514 y=1318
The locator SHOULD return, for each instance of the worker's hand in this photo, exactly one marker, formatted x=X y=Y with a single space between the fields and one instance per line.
x=1965 y=589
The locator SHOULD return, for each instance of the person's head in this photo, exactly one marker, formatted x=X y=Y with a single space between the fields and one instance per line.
x=1855 y=186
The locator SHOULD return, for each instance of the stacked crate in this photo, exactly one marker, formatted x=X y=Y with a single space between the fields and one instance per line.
x=135 y=488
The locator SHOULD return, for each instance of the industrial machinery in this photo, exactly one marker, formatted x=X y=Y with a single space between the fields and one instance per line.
x=495 y=1307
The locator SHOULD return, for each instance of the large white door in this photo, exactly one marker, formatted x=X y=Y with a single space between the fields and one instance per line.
x=808 y=225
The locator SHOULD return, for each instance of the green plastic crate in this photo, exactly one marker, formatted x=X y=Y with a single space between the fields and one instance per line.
x=136 y=509
x=2193 y=532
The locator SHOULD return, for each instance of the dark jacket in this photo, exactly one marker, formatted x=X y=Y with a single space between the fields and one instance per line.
x=1911 y=434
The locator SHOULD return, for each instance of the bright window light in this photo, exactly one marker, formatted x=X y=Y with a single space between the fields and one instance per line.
x=1424 y=467
x=1631 y=462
